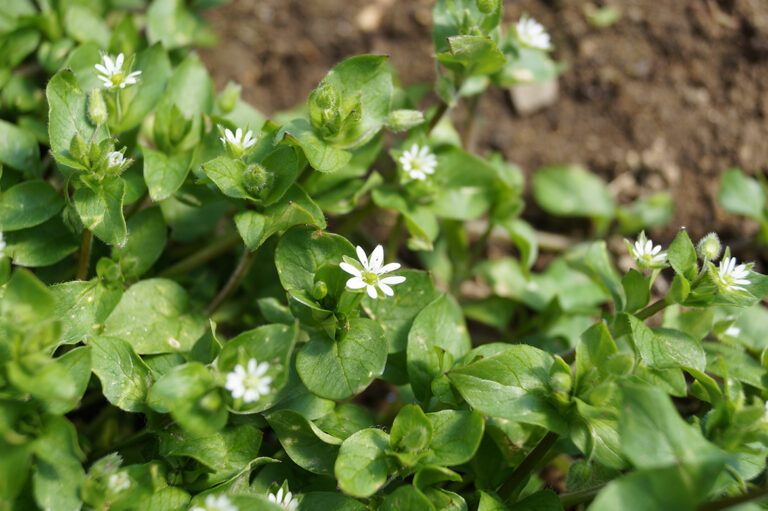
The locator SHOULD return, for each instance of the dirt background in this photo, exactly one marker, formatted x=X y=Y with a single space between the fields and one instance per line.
x=667 y=98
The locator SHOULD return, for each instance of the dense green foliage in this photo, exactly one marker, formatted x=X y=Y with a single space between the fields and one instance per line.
x=188 y=320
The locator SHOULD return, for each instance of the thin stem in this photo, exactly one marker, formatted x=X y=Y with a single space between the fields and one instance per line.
x=728 y=502
x=117 y=103
x=468 y=136
x=220 y=246
x=442 y=108
x=580 y=497
x=85 y=255
x=520 y=476
x=652 y=309
x=355 y=218
x=393 y=243
x=241 y=270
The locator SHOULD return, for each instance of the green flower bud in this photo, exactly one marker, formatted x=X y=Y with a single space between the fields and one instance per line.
x=709 y=247
x=320 y=290
x=257 y=180
x=325 y=96
x=402 y=120
x=179 y=125
x=229 y=97
x=97 y=108
x=487 y=6
x=79 y=149
x=108 y=270
x=211 y=401
x=560 y=376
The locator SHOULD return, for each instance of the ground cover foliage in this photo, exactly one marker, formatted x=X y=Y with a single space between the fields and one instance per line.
x=195 y=310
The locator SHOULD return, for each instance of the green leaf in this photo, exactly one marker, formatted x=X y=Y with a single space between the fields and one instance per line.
x=656 y=210
x=285 y=166
x=637 y=289
x=28 y=204
x=181 y=390
x=190 y=87
x=294 y=208
x=395 y=315
x=163 y=173
x=173 y=24
x=323 y=156
x=302 y=251
x=406 y=498
x=545 y=500
x=42 y=245
x=465 y=185
x=58 y=472
x=682 y=255
x=449 y=20
x=456 y=438
x=125 y=379
x=337 y=369
x=227 y=173
x=361 y=467
x=146 y=241
x=77 y=363
x=490 y=502
x=268 y=343
x=419 y=219
x=327 y=500
x=226 y=453
x=82 y=307
x=102 y=211
x=742 y=195
x=654 y=436
x=19 y=149
x=471 y=55
x=649 y=490
x=411 y=430
x=68 y=113
x=437 y=329
x=571 y=190
x=307 y=445
x=83 y=25
x=511 y=385
x=664 y=348
x=153 y=316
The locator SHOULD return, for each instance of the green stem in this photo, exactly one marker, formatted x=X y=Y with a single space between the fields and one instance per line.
x=652 y=309
x=355 y=218
x=393 y=243
x=728 y=502
x=117 y=103
x=469 y=123
x=220 y=246
x=522 y=473
x=85 y=255
x=442 y=108
x=241 y=270
x=579 y=497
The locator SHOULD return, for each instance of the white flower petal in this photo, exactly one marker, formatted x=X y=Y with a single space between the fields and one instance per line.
x=386 y=289
x=390 y=267
x=362 y=257
x=356 y=283
x=377 y=257
x=350 y=269
x=395 y=279
x=372 y=292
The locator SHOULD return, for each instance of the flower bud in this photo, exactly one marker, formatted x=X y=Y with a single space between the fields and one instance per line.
x=211 y=401
x=97 y=108
x=709 y=247
x=320 y=290
x=560 y=377
x=256 y=179
x=325 y=96
x=487 y=6
x=402 y=120
x=108 y=270
x=229 y=97
x=79 y=149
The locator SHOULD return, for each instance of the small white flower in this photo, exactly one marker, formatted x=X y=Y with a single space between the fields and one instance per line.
x=113 y=75
x=237 y=141
x=214 y=503
x=732 y=277
x=115 y=159
x=733 y=331
x=249 y=384
x=531 y=33
x=647 y=255
x=119 y=482
x=368 y=274
x=418 y=162
x=285 y=500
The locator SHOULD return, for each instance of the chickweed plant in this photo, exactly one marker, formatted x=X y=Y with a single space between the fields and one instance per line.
x=202 y=309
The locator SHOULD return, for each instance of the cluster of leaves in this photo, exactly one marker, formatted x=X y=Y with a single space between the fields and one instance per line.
x=176 y=330
x=746 y=196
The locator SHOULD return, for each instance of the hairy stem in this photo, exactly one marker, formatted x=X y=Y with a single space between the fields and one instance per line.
x=220 y=246
x=442 y=108
x=520 y=476
x=652 y=309
x=85 y=255
x=241 y=270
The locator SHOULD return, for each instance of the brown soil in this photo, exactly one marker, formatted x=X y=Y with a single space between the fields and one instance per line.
x=667 y=98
